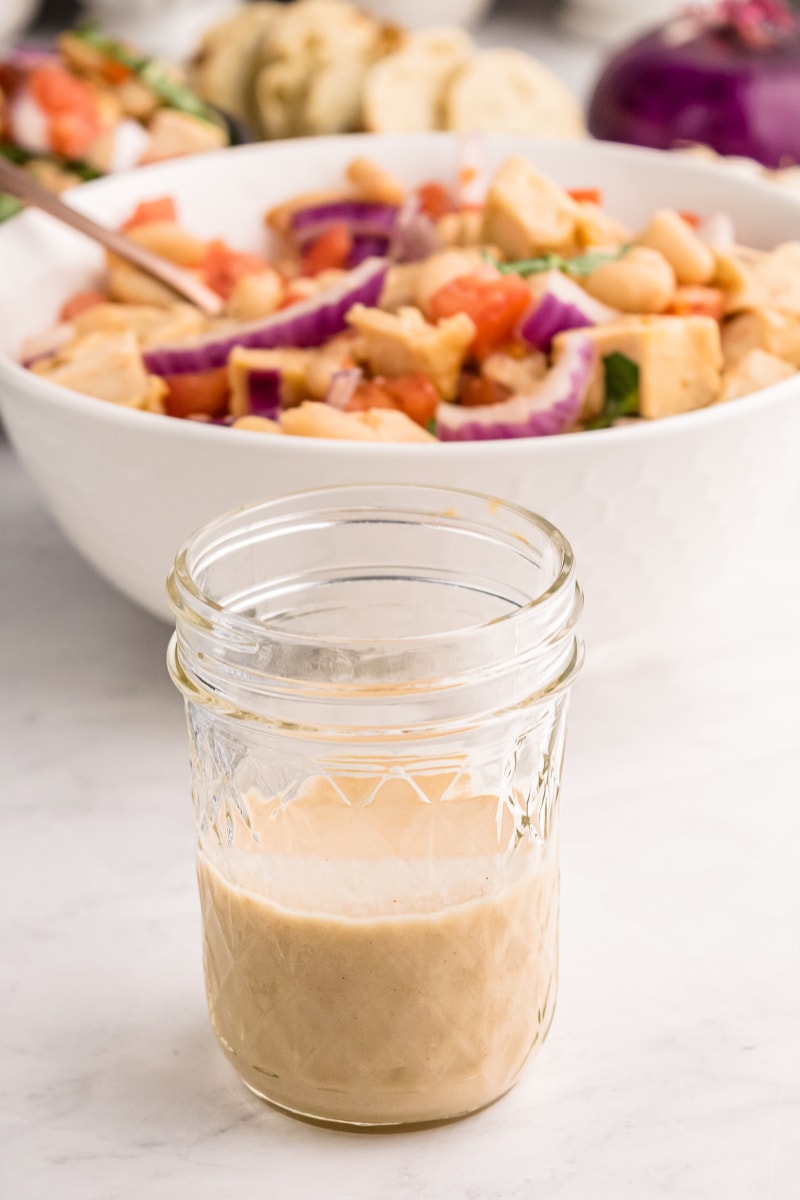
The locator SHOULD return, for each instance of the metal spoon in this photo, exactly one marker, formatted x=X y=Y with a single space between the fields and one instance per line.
x=21 y=184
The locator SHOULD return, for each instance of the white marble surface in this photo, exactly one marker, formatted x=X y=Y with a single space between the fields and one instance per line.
x=673 y=1066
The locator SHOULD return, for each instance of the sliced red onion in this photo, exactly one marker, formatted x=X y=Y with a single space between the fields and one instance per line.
x=414 y=237
x=307 y=324
x=26 y=56
x=547 y=409
x=342 y=387
x=717 y=231
x=264 y=392
x=559 y=304
x=367 y=246
x=362 y=217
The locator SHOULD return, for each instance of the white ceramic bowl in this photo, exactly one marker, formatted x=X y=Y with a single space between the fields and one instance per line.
x=663 y=516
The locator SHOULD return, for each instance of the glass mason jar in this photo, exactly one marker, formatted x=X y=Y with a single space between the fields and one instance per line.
x=376 y=683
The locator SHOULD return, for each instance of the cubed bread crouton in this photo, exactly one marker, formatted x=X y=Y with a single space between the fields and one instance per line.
x=679 y=360
x=509 y=91
x=755 y=370
x=527 y=214
x=107 y=366
x=242 y=364
x=517 y=374
x=762 y=329
x=752 y=279
x=400 y=286
x=336 y=355
x=406 y=344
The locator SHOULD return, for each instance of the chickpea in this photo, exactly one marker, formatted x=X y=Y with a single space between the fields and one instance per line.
x=692 y=261
x=257 y=424
x=640 y=282
x=461 y=228
x=170 y=241
x=373 y=183
x=255 y=296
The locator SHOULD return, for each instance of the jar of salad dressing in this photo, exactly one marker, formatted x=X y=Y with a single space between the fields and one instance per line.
x=376 y=683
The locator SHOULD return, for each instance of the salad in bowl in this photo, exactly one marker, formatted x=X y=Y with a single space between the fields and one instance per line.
x=494 y=306
x=672 y=481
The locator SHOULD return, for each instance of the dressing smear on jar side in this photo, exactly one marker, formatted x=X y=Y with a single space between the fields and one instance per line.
x=379 y=963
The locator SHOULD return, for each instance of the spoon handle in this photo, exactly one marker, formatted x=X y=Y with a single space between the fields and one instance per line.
x=23 y=186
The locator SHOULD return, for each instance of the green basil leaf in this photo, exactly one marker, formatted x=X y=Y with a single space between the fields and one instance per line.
x=580 y=264
x=533 y=266
x=584 y=264
x=621 y=375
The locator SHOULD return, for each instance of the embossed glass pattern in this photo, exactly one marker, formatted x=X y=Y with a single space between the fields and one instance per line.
x=376 y=683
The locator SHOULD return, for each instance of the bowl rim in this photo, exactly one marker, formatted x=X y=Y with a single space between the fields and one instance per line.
x=15 y=378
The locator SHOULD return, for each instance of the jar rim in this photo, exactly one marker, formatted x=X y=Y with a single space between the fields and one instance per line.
x=250 y=661
x=187 y=598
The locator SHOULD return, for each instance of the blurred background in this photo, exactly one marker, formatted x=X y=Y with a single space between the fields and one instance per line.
x=150 y=19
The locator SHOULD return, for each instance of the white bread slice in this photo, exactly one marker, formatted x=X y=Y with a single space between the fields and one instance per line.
x=506 y=90
x=223 y=68
x=313 y=61
x=404 y=92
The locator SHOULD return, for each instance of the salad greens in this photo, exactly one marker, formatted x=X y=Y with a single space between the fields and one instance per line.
x=171 y=92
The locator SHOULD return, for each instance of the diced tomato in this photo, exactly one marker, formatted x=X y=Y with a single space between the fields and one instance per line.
x=223 y=267
x=78 y=303
x=70 y=106
x=149 y=211
x=474 y=390
x=435 y=200
x=691 y=219
x=495 y=304
x=698 y=301
x=197 y=392
x=414 y=395
x=586 y=195
x=329 y=251
x=370 y=393
x=113 y=71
